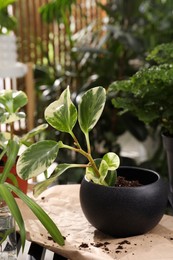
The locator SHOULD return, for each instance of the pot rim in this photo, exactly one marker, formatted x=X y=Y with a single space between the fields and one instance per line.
x=132 y=168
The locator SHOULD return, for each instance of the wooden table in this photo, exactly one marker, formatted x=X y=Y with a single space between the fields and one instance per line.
x=84 y=242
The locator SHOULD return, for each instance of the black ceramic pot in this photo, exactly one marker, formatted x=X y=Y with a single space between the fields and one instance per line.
x=125 y=211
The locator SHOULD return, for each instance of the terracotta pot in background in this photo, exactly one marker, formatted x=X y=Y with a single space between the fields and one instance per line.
x=22 y=184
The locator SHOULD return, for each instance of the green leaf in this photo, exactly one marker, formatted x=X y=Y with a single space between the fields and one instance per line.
x=33 y=132
x=11 y=203
x=36 y=159
x=12 y=152
x=13 y=179
x=41 y=186
x=62 y=114
x=41 y=215
x=90 y=108
x=103 y=170
x=13 y=100
x=111 y=178
x=112 y=161
x=7 y=117
x=90 y=175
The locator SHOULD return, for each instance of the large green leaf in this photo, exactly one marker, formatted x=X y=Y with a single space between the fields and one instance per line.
x=11 y=203
x=41 y=215
x=13 y=100
x=91 y=107
x=36 y=159
x=62 y=114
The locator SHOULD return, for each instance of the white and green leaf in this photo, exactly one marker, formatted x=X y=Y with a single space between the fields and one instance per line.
x=103 y=170
x=13 y=100
x=62 y=114
x=90 y=108
x=36 y=159
x=33 y=132
x=112 y=160
x=7 y=117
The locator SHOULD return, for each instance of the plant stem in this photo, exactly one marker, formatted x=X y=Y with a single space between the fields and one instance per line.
x=88 y=142
x=85 y=154
x=12 y=130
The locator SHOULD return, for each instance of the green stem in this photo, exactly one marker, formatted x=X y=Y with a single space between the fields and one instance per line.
x=12 y=130
x=75 y=140
x=88 y=142
x=85 y=154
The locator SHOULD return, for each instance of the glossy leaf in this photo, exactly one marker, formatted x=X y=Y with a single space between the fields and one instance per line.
x=34 y=132
x=13 y=100
x=11 y=117
x=62 y=114
x=90 y=175
x=111 y=178
x=36 y=159
x=103 y=170
x=90 y=108
x=112 y=160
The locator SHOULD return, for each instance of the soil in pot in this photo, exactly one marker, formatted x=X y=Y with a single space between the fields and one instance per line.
x=122 y=182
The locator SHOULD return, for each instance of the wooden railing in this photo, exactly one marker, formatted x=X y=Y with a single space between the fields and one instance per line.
x=41 y=43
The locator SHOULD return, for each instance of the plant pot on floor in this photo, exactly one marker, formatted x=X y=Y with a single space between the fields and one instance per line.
x=125 y=211
x=168 y=146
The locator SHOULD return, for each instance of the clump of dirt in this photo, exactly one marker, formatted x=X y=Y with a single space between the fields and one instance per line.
x=83 y=245
x=122 y=182
x=97 y=244
x=120 y=246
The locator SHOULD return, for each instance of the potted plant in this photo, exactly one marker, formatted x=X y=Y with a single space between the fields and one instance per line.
x=107 y=207
x=148 y=95
x=11 y=101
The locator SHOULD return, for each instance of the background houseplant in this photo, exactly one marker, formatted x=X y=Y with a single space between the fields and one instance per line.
x=11 y=102
x=148 y=95
x=7 y=21
x=118 y=44
x=100 y=173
